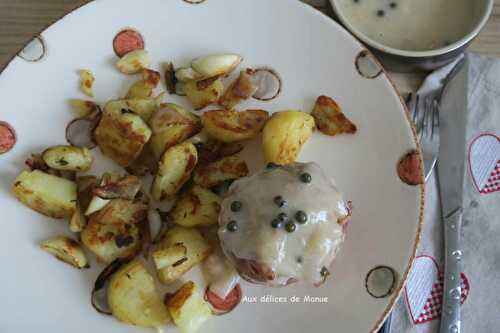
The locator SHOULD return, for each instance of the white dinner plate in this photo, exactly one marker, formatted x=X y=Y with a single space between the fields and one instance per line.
x=314 y=56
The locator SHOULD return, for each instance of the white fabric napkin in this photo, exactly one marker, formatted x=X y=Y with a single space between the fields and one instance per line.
x=418 y=310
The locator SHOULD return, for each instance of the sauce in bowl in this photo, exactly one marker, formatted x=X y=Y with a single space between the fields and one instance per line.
x=412 y=25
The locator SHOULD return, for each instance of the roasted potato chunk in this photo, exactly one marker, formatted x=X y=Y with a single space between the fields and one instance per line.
x=169 y=257
x=232 y=126
x=212 y=151
x=228 y=168
x=241 y=89
x=121 y=135
x=203 y=93
x=197 y=206
x=144 y=107
x=133 y=62
x=285 y=134
x=78 y=220
x=47 y=194
x=66 y=250
x=68 y=158
x=172 y=125
x=111 y=241
x=133 y=298
x=329 y=118
x=120 y=211
x=83 y=108
x=144 y=87
x=197 y=249
x=87 y=80
x=188 y=308
x=216 y=64
x=174 y=170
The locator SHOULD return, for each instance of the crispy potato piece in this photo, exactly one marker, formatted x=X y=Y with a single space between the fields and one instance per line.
x=212 y=151
x=188 y=308
x=144 y=87
x=241 y=89
x=120 y=211
x=133 y=298
x=47 y=194
x=197 y=249
x=216 y=64
x=113 y=240
x=86 y=82
x=172 y=125
x=203 y=93
x=67 y=250
x=196 y=207
x=174 y=170
x=329 y=118
x=121 y=135
x=144 y=107
x=172 y=256
x=133 y=62
x=285 y=134
x=78 y=221
x=228 y=168
x=232 y=126
x=68 y=158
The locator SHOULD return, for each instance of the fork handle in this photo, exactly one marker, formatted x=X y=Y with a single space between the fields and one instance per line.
x=452 y=292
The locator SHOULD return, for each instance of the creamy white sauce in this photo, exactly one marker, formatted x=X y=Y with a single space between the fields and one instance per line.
x=300 y=254
x=414 y=25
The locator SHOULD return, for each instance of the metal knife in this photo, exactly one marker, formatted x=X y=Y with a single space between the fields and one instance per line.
x=451 y=167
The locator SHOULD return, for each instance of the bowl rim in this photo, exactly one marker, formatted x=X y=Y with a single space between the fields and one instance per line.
x=415 y=54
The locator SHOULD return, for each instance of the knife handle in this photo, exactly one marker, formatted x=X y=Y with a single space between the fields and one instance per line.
x=452 y=292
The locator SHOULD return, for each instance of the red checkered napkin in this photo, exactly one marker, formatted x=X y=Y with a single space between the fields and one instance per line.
x=424 y=290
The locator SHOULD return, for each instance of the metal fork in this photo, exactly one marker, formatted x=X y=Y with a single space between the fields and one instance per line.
x=427 y=126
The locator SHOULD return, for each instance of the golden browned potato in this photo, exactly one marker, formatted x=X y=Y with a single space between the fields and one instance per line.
x=231 y=126
x=133 y=62
x=144 y=87
x=188 y=308
x=285 y=134
x=216 y=64
x=228 y=168
x=121 y=135
x=111 y=241
x=66 y=250
x=196 y=207
x=47 y=194
x=203 y=93
x=241 y=89
x=78 y=220
x=171 y=125
x=83 y=108
x=120 y=211
x=69 y=158
x=197 y=249
x=174 y=170
x=133 y=298
x=144 y=107
x=86 y=82
x=330 y=119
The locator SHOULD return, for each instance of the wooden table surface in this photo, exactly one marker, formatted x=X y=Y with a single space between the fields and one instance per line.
x=20 y=20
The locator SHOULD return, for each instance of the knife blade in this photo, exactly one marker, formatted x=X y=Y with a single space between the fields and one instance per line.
x=451 y=173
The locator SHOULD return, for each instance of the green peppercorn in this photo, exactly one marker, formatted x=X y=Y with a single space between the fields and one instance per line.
x=276 y=223
x=301 y=217
x=306 y=178
x=236 y=206
x=232 y=226
x=279 y=201
x=282 y=217
x=324 y=272
x=290 y=227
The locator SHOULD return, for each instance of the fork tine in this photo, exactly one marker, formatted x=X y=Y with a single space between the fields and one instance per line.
x=415 y=110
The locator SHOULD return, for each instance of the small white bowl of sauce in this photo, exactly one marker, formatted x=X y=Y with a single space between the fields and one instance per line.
x=423 y=33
